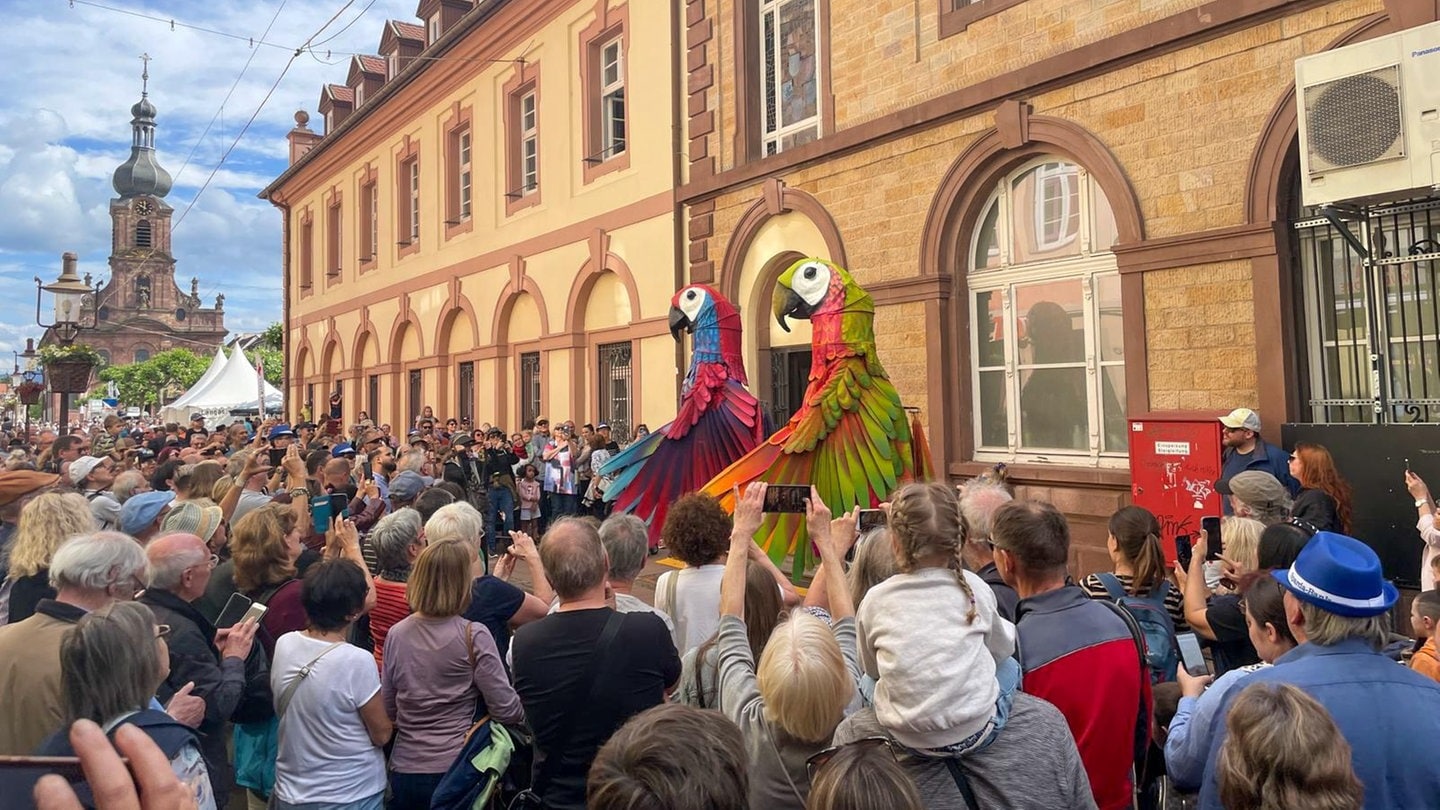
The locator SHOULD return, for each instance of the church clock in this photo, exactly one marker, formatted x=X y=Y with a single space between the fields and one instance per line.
x=144 y=207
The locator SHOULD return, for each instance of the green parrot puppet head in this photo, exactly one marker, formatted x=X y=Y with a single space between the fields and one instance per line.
x=806 y=286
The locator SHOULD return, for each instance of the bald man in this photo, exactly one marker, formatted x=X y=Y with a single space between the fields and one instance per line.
x=552 y=654
x=219 y=663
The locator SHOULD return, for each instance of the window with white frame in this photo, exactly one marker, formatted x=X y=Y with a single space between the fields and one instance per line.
x=359 y=94
x=463 y=174
x=529 y=144
x=433 y=25
x=1047 y=353
x=612 y=98
x=414 y=178
x=392 y=65
x=789 y=74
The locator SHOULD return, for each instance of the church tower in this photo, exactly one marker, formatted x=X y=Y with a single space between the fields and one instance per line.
x=141 y=311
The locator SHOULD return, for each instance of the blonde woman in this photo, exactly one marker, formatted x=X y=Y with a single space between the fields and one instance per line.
x=45 y=524
x=1283 y=751
x=441 y=671
x=787 y=708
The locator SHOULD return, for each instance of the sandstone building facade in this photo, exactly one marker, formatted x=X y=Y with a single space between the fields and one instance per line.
x=1069 y=213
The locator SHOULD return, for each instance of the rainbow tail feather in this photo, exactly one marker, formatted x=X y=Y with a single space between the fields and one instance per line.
x=924 y=466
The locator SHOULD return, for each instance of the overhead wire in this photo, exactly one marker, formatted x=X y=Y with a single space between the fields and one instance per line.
x=221 y=110
x=251 y=120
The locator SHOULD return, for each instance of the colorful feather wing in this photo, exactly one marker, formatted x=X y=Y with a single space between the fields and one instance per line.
x=717 y=423
x=851 y=440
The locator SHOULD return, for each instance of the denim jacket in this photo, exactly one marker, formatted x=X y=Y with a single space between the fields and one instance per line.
x=1384 y=710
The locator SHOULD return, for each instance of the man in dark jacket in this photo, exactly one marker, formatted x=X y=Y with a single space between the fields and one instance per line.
x=1245 y=450
x=499 y=475
x=978 y=503
x=223 y=665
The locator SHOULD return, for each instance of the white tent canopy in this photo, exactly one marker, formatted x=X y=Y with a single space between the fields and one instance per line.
x=235 y=387
x=217 y=364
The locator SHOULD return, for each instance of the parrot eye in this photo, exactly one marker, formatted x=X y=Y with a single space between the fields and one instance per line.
x=690 y=295
x=810 y=272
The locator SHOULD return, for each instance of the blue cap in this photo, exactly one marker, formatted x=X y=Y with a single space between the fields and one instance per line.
x=406 y=486
x=141 y=510
x=280 y=430
x=341 y=449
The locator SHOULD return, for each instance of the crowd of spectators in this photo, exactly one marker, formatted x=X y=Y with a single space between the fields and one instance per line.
x=303 y=618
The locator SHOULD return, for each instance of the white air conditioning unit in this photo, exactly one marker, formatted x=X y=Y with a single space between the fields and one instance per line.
x=1370 y=118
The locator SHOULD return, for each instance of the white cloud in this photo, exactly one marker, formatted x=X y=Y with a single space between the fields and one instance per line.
x=65 y=126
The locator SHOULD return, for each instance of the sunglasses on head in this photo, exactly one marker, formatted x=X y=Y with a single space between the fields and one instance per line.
x=818 y=761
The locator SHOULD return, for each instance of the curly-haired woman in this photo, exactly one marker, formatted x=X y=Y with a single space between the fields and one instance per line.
x=697 y=532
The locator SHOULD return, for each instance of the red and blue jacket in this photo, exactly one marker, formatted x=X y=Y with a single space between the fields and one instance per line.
x=1079 y=655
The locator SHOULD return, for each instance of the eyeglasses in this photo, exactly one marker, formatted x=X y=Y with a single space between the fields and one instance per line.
x=162 y=630
x=818 y=761
x=1235 y=430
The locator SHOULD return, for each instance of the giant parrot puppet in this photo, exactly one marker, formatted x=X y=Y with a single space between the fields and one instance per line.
x=718 y=421
x=850 y=437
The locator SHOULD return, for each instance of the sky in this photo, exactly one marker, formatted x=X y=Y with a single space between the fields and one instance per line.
x=73 y=74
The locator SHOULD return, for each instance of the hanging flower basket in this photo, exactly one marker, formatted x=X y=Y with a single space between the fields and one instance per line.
x=30 y=392
x=68 y=368
x=69 y=376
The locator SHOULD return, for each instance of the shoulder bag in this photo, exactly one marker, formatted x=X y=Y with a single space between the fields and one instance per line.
x=533 y=798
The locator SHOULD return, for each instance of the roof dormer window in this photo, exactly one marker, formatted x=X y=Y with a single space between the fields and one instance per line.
x=392 y=65
x=433 y=25
x=359 y=94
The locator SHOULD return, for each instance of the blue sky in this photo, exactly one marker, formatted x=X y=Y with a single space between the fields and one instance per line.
x=73 y=74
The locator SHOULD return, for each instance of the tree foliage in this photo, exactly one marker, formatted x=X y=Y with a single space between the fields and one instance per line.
x=274 y=363
x=271 y=349
x=145 y=384
x=273 y=337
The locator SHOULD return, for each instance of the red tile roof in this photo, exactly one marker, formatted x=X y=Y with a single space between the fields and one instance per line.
x=371 y=64
x=406 y=30
x=340 y=92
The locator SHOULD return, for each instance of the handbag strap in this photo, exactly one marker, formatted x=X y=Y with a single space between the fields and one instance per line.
x=584 y=691
x=962 y=783
x=284 y=702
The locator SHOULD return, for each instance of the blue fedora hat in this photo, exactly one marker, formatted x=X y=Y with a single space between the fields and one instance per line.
x=1340 y=575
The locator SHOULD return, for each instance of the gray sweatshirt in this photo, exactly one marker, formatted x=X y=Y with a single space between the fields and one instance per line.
x=1032 y=765
x=778 y=778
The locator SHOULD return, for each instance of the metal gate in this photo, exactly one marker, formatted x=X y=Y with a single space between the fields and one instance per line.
x=789 y=376
x=529 y=388
x=465 y=385
x=1370 y=313
x=615 y=376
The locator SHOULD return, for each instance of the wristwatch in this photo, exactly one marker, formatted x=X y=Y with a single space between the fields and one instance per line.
x=299 y=492
x=1419 y=502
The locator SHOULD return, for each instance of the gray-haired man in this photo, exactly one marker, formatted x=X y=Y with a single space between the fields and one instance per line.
x=88 y=572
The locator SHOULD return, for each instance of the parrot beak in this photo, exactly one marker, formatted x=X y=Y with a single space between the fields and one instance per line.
x=787 y=302
x=678 y=322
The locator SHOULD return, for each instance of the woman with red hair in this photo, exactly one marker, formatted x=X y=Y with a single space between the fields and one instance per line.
x=1324 y=499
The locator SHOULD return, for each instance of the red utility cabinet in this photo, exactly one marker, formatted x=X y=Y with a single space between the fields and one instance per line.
x=1174 y=464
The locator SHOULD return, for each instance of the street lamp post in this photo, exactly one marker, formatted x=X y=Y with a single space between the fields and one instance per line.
x=69 y=292
x=29 y=357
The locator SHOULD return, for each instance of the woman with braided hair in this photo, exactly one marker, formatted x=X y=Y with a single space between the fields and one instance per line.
x=931 y=635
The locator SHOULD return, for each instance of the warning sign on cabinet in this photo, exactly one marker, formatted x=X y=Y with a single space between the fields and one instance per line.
x=1172 y=448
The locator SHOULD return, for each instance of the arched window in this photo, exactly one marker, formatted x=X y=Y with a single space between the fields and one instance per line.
x=142 y=234
x=1047 y=356
x=141 y=355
